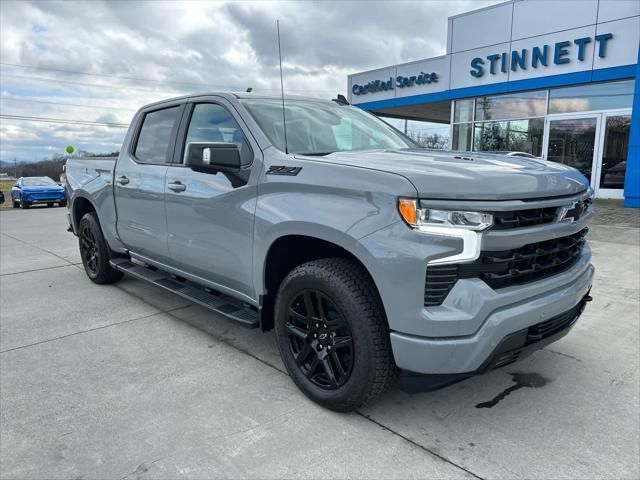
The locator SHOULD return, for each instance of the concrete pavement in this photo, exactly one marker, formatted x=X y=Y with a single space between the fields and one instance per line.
x=128 y=381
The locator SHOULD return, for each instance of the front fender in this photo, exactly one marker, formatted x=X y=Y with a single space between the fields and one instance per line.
x=334 y=203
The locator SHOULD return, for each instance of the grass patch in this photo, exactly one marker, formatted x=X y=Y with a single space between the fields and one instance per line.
x=5 y=186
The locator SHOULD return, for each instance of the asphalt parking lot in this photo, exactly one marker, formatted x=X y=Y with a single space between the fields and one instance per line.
x=128 y=381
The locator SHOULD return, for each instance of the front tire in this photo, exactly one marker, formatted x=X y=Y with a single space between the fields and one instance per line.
x=332 y=334
x=62 y=203
x=94 y=251
x=24 y=204
x=16 y=204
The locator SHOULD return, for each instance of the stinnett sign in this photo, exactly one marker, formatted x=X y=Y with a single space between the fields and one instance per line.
x=559 y=53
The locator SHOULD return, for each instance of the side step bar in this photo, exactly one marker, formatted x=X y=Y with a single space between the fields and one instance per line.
x=224 y=305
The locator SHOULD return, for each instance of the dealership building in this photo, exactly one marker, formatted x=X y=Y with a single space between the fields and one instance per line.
x=556 y=79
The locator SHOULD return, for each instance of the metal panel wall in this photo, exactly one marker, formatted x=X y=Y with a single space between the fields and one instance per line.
x=539 y=17
x=488 y=26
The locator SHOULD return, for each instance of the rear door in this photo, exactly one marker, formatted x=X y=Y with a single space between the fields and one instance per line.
x=210 y=216
x=140 y=183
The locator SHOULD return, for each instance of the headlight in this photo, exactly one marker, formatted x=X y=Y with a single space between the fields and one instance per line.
x=467 y=226
x=419 y=217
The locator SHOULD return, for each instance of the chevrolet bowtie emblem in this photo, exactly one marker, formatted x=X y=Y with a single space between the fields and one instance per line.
x=572 y=213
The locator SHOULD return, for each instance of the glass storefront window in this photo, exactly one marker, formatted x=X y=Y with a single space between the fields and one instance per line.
x=509 y=136
x=462 y=137
x=513 y=105
x=572 y=142
x=463 y=110
x=596 y=96
x=614 y=155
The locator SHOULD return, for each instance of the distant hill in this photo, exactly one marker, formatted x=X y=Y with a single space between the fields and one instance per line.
x=46 y=168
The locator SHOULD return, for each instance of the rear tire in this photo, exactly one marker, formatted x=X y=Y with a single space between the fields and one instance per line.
x=337 y=350
x=63 y=203
x=50 y=204
x=95 y=252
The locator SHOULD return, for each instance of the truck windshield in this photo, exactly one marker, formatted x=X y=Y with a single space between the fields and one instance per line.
x=321 y=128
x=37 y=182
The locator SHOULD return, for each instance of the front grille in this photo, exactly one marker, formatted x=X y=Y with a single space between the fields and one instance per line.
x=533 y=216
x=524 y=218
x=509 y=267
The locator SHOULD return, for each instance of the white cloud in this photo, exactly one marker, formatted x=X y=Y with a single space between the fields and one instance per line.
x=166 y=49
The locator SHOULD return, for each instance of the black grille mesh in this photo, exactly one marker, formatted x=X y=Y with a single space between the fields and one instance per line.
x=524 y=218
x=509 y=267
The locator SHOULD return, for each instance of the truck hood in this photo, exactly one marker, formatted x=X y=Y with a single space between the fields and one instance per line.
x=470 y=176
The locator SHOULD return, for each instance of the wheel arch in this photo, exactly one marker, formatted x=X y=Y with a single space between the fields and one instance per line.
x=80 y=207
x=287 y=252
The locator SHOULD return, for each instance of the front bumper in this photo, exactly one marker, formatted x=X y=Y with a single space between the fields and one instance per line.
x=514 y=347
x=470 y=354
x=34 y=198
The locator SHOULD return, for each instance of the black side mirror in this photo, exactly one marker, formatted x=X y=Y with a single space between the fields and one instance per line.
x=213 y=157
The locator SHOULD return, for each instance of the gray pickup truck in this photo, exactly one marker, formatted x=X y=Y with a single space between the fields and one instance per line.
x=371 y=257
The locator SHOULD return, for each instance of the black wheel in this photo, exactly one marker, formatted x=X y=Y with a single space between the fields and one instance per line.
x=332 y=334
x=16 y=204
x=24 y=203
x=95 y=252
x=62 y=203
x=49 y=204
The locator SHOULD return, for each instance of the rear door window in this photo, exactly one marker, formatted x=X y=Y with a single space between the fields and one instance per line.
x=155 y=136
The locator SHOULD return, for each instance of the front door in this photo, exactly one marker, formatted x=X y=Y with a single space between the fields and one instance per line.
x=594 y=143
x=210 y=216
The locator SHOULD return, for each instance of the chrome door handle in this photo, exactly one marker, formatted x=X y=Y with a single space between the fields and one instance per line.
x=177 y=187
x=122 y=180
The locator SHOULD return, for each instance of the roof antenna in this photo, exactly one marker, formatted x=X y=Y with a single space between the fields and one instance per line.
x=284 y=118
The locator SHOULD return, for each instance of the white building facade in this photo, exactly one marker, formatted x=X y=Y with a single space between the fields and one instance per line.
x=556 y=79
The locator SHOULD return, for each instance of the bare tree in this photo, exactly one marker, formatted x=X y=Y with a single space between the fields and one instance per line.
x=429 y=140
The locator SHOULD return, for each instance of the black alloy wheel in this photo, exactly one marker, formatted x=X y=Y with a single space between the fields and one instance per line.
x=89 y=250
x=95 y=252
x=320 y=339
x=333 y=335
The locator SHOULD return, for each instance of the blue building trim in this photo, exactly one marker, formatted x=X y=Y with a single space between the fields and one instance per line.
x=632 y=175
x=565 y=79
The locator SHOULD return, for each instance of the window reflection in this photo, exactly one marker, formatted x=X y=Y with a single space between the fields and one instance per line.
x=598 y=96
x=513 y=105
x=153 y=141
x=614 y=156
x=463 y=110
x=462 y=137
x=211 y=123
x=509 y=136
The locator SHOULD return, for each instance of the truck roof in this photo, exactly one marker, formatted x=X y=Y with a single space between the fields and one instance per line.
x=232 y=96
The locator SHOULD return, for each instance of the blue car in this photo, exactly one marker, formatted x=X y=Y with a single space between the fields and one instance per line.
x=37 y=190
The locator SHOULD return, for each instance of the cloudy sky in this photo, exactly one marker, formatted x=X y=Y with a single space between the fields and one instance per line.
x=97 y=62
